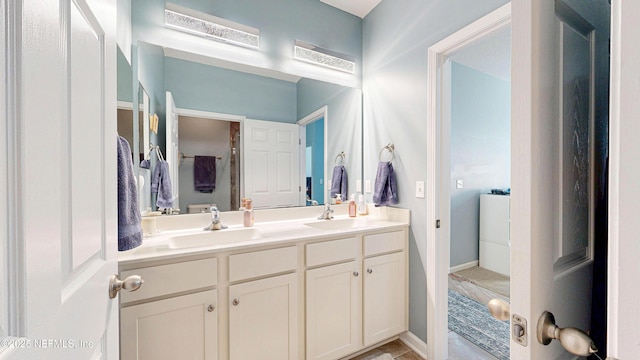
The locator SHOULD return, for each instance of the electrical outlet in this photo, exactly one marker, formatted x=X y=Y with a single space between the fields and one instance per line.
x=329 y=184
x=420 y=189
x=358 y=185
x=367 y=186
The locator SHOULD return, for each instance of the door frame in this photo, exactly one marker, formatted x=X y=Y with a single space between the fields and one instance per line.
x=438 y=174
x=622 y=310
x=321 y=113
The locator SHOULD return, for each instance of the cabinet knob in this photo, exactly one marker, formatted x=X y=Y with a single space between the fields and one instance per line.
x=210 y=308
x=235 y=302
x=369 y=271
x=355 y=273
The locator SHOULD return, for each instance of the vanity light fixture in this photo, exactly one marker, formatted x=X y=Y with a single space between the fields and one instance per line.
x=202 y=24
x=318 y=56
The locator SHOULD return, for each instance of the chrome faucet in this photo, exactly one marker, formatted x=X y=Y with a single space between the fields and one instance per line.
x=326 y=213
x=215 y=224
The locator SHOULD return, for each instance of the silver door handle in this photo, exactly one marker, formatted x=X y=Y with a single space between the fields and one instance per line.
x=131 y=283
x=573 y=340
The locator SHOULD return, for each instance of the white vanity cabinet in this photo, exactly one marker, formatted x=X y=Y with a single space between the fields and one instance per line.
x=263 y=313
x=323 y=297
x=174 y=315
x=182 y=327
x=384 y=286
x=333 y=299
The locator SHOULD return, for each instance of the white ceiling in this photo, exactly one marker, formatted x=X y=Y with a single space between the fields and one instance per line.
x=356 y=7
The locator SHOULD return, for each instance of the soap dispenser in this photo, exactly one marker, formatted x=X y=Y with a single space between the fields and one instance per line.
x=248 y=218
x=352 y=205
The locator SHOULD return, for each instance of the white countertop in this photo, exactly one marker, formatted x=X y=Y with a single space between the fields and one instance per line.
x=272 y=232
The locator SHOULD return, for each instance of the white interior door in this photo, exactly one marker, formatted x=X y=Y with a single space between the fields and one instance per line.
x=271 y=163
x=552 y=171
x=173 y=151
x=60 y=162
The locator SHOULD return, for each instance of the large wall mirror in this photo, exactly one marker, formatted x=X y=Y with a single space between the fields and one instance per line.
x=215 y=106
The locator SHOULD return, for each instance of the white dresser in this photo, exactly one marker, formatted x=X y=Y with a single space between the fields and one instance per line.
x=494 y=233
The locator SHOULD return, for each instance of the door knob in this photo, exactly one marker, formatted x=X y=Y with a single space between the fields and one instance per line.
x=131 y=283
x=573 y=340
x=499 y=309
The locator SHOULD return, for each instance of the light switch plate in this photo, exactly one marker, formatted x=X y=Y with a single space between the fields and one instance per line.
x=358 y=185
x=367 y=186
x=420 y=189
x=329 y=184
x=459 y=184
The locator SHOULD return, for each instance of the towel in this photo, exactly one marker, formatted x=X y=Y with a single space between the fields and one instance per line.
x=204 y=173
x=385 y=191
x=129 y=219
x=339 y=182
x=161 y=185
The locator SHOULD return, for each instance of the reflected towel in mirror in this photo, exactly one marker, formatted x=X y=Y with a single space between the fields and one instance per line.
x=339 y=182
x=204 y=173
x=161 y=185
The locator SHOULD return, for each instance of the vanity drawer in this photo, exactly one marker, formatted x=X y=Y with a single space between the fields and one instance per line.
x=333 y=251
x=384 y=242
x=172 y=278
x=262 y=263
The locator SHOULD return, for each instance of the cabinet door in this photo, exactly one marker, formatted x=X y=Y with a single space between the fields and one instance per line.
x=385 y=295
x=333 y=311
x=184 y=327
x=263 y=319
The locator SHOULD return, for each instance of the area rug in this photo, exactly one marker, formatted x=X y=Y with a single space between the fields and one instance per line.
x=487 y=279
x=471 y=320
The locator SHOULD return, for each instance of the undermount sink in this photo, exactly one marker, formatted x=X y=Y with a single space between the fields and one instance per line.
x=336 y=224
x=211 y=238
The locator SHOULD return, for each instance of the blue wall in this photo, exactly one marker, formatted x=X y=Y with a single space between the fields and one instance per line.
x=397 y=35
x=125 y=78
x=280 y=23
x=208 y=88
x=315 y=139
x=480 y=152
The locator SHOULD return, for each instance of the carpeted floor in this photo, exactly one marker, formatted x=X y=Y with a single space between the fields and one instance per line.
x=487 y=279
x=471 y=320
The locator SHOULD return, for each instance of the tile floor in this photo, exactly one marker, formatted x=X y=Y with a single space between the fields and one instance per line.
x=396 y=348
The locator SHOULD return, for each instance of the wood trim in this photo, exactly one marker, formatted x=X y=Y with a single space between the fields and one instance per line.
x=465 y=266
x=414 y=343
x=438 y=125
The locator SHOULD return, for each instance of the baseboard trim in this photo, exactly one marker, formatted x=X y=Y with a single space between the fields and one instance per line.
x=415 y=343
x=466 y=266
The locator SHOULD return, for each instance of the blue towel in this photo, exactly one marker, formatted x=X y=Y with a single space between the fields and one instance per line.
x=339 y=182
x=385 y=191
x=129 y=219
x=204 y=173
x=161 y=185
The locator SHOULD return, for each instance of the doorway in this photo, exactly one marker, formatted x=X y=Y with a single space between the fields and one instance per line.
x=469 y=158
x=479 y=97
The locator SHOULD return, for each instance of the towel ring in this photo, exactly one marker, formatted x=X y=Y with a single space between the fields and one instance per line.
x=340 y=156
x=389 y=148
x=159 y=153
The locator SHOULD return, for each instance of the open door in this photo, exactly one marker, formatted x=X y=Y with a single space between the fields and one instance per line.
x=59 y=163
x=552 y=173
x=271 y=163
x=173 y=155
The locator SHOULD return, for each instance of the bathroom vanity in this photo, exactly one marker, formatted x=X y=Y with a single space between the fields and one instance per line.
x=291 y=287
